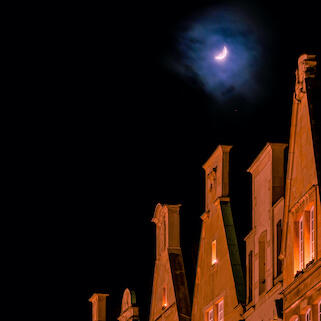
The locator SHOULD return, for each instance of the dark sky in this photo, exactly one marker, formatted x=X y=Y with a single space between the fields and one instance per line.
x=129 y=132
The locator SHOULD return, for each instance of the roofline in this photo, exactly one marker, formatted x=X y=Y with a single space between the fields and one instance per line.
x=268 y=146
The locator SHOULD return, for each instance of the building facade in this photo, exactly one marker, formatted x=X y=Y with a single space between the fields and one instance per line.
x=170 y=297
x=301 y=247
x=263 y=243
x=283 y=247
x=219 y=287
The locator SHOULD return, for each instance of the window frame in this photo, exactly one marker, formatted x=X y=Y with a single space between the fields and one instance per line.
x=301 y=243
x=250 y=276
x=210 y=312
x=213 y=253
x=262 y=262
x=220 y=313
x=312 y=233
x=308 y=314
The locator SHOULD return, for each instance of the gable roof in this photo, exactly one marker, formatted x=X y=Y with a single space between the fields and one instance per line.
x=313 y=87
x=180 y=285
x=308 y=84
x=233 y=250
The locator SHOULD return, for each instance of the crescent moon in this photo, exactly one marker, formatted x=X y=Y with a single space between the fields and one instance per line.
x=222 y=55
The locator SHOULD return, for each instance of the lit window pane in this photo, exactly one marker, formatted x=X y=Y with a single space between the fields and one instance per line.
x=312 y=236
x=221 y=311
x=301 y=240
x=214 y=260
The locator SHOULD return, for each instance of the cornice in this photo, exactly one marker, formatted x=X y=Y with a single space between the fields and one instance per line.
x=220 y=149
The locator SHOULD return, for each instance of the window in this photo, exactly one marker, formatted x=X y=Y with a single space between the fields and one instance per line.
x=308 y=315
x=250 y=268
x=214 y=260
x=220 y=310
x=210 y=315
x=164 y=303
x=262 y=241
x=278 y=247
x=312 y=234
x=301 y=244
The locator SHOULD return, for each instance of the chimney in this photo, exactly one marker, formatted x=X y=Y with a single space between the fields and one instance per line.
x=98 y=301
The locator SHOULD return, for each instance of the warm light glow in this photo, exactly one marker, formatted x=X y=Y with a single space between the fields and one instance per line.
x=222 y=55
x=214 y=259
x=312 y=233
x=164 y=305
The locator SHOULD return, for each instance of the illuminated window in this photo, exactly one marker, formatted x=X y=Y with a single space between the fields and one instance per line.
x=214 y=259
x=308 y=315
x=210 y=315
x=164 y=297
x=250 y=268
x=312 y=234
x=220 y=311
x=301 y=244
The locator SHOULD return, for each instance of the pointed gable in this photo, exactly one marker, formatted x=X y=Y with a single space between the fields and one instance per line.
x=170 y=298
x=129 y=310
x=313 y=89
x=301 y=242
x=302 y=162
x=219 y=286
x=303 y=174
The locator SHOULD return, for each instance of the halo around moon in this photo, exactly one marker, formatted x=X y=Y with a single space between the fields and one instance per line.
x=222 y=55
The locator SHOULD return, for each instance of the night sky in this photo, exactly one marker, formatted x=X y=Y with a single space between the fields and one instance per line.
x=135 y=121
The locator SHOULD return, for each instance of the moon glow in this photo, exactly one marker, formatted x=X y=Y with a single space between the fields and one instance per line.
x=222 y=55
